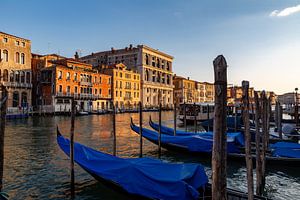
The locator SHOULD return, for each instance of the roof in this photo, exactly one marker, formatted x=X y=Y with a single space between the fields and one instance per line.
x=14 y=36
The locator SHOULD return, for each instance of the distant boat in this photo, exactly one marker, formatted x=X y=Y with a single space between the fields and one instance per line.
x=202 y=112
x=82 y=113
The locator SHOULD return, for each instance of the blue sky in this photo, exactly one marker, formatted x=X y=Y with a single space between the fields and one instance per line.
x=261 y=45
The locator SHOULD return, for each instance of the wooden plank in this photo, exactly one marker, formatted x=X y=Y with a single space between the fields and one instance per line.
x=219 y=154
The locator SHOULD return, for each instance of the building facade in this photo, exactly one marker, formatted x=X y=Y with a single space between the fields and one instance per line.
x=154 y=67
x=62 y=78
x=125 y=85
x=15 y=71
x=184 y=90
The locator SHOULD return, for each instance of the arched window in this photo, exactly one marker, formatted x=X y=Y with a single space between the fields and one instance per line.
x=24 y=99
x=5 y=55
x=146 y=75
x=27 y=77
x=158 y=77
x=157 y=62
x=17 y=57
x=22 y=76
x=11 y=76
x=15 y=102
x=22 y=58
x=5 y=75
x=17 y=76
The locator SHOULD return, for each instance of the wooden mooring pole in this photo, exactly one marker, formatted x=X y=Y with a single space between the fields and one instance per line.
x=246 y=119
x=235 y=118
x=159 y=131
x=2 y=131
x=208 y=119
x=184 y=116
x=141 y=128
x=114 y=130
x=279 y=129
x=175 y=119
x=195 y=118
x=259 y=186
x=72 y=148
x=219 y=154
x=264 y=135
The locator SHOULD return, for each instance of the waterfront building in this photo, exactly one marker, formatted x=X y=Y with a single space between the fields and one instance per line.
x=154 y=67
x=125 y=85
x=15 y=71
x=184 y=90
x=288 y=98
x=60 y=78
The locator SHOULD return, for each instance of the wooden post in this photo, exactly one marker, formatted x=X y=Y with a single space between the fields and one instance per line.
x=245 y=85
x=141 y=128
x=2 y=131
x=175 y=119
x=235 y=118
x=72 y=148
x=208 y=119
x=280 y=121
x=184 y=116
x=159 y=131
x=114 y=130
x=195 y=118
x=264 y=135
x=276 y=114
x=219 y=154
x=296 y=109
x=259 y=186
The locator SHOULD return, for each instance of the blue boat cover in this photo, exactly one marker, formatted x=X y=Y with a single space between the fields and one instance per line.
x=285 y=149
x=237 y=137
x=230 y=122
x=192 y=143
x=142 y=176
x=289 y=145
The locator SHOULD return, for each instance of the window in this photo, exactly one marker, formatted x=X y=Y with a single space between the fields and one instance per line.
x=5 y=40
x=17 y=43
x=60 y=88
x=23 y=44
x=109 y=81
x=75 y=77
x=28 y=77
x=22 y=77
x=17 y=76
x=59 y=74
x=121 y=74
x=24 y=99
x=95 y=79
x=100 y=91
x=22 y=58
x=68 y=76
x=120 y=93
x=17 y=57
x=96 y=91
x=100 y=79
x=76 y=89
x=120 y=84
x=5 y=55
x=5 y=75
x=15 y=102
x=68 y=89
x=109 y=91
x=11 y=76
x=116 y=93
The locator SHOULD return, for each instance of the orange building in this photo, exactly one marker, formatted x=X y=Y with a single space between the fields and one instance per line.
x=62 y=78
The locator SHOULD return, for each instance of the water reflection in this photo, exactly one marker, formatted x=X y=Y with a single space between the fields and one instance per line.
x=35 y=167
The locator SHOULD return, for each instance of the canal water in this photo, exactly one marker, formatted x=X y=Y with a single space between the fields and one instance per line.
x=35 y=167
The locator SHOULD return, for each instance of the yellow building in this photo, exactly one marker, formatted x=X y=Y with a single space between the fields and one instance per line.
x=126 y=85
x=15 y=71
x=184 y=90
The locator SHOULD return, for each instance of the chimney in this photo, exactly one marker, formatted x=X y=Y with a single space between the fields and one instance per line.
x=76 y=56
x=188 y=78
x=130 y=46
x=112 y=50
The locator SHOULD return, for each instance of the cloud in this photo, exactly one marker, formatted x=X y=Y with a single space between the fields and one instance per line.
x=285 y=12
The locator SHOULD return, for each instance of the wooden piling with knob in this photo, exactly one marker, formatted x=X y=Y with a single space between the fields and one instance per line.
x=219 y=153
x=246 y=119
x=175 y=119
x=114 y=130
x=159 y=131
x=195 y=118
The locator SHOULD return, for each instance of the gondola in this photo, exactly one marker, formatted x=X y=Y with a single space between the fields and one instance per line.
x=237 y=136
x=145 y=178
x=192 y=145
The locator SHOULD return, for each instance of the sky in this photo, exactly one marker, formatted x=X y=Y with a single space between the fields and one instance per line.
x=260 y=39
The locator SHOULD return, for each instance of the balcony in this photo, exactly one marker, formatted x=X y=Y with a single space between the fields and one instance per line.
x=127 y=98
x=17 y=85
x=84 y=83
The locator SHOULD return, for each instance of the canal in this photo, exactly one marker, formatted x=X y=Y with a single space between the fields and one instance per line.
x=35 y=167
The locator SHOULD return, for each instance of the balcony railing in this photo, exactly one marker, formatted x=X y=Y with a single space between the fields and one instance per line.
x=81 y=96
x=86 y=83
x=17 y=85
